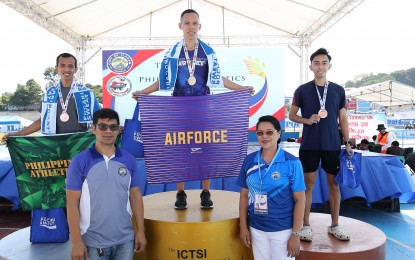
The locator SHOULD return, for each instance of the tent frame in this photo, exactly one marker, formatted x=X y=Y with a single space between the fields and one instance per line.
x=298 y=43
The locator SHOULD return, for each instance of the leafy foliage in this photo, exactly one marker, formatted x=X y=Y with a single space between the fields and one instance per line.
x=31 y=93
x=51 y=76
x=403 y=76
x=97 y=89
x=26 y=95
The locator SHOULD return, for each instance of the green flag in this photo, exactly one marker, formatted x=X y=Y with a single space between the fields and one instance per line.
x=40 y=164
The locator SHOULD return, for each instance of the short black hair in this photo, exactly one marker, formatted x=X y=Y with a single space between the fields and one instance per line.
x=105 y=113
x=188 y=11
x=321 y=51
x=395 y=143
x=364 y=141
x=66 y=55
x=271 y=120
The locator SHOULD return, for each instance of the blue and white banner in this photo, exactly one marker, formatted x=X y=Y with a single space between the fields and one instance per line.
x=194 y=138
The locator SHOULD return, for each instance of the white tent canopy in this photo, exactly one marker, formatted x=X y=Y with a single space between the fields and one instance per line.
x=392 y=95
x=89 y=24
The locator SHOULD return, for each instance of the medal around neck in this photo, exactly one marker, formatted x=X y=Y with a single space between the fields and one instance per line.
x=322 y=113
x=191 y=80
x=64 y=117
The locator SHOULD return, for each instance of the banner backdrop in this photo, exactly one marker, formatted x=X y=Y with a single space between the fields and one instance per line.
x=363 y=126
x=126 y=71
x=194 y=138
x=40 y=164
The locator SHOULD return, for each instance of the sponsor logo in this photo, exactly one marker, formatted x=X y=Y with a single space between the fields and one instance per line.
x=196 y=150
x=48 y=223
x=122 y=171
x=119 y=86
x=189 y=253
x=138 y=136
x=119 y=62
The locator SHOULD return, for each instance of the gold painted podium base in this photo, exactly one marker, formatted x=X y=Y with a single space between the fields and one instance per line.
x=193 y=233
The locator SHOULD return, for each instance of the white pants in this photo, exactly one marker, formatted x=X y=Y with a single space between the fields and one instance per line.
x=270 y=245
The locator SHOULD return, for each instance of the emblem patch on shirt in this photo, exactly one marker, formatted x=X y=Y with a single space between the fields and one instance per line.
x=275 y=175
x=122 y=171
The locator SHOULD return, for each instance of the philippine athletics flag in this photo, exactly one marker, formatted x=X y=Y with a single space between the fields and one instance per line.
x=194 y=138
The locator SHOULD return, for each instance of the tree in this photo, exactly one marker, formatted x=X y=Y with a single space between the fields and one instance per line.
x=27 y=95
x=51 y=76
x=5 y=98
x=97 y=89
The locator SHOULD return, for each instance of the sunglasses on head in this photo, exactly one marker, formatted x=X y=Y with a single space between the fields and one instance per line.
x=268 y=133
x=104 y=127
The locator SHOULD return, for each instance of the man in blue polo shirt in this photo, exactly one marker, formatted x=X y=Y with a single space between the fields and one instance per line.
x=102 y=193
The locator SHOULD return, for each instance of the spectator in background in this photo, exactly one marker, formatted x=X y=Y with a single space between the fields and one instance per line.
x=384 y=138
x=395 y=149
x=374 y=138
x=364 y=145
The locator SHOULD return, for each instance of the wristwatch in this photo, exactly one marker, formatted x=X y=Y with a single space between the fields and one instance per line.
x=296 y=233
x=347 y=142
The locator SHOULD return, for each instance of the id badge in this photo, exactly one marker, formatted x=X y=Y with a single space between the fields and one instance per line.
x=261 y=204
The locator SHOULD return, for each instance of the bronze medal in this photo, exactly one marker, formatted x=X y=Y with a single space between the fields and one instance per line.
x=322 y=113
x=64 y=117
x=191 y=80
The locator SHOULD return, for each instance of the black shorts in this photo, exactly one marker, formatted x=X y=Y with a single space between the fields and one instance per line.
x=310 y=160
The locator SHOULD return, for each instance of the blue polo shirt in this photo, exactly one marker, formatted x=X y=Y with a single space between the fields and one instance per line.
x=105 y=213
x=284 y=177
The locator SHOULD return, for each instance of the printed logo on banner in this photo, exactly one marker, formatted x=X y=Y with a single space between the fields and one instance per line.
x=119 y=86
x=196 y=150
x=119 y=62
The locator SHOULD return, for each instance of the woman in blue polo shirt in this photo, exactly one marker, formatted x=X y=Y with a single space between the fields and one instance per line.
x=272 y=199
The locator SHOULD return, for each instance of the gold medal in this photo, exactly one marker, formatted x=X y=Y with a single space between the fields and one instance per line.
x=191 y=80
x=322 y=113
x=64 y=117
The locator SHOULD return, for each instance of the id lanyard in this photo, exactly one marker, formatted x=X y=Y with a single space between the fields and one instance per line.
x=267 y=169
x=261 y=199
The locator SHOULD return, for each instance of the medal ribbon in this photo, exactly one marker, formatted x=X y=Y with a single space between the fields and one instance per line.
x=323 y=100
x=65 y=105
x=267 y=169
x=191 y=64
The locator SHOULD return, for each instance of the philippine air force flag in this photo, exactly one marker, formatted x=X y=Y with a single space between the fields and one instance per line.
x=195 y=137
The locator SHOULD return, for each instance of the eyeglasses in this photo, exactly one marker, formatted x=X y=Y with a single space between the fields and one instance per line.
x=268 y=133
x=104 y=127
